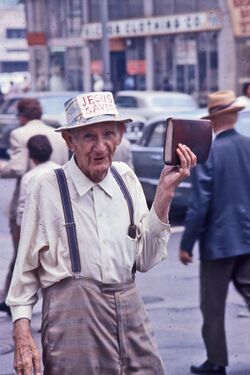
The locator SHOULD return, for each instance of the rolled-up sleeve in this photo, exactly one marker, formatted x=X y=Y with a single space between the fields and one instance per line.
x=24 y=286
x=153 y=241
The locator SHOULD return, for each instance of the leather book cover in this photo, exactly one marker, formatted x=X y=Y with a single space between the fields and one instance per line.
x=196 y=134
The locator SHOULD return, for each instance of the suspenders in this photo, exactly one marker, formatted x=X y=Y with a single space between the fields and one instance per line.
x=127 y=196
x=69 y=218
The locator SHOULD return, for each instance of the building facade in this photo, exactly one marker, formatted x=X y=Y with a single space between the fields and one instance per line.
x=14 y=53
x=194 y=46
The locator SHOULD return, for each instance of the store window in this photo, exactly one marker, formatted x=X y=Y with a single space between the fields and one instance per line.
x=179 y=6
x=208 y=65
x=207 y=5
x=126 y=9
x=56 y=18
x=94 y=10
x=135 y=62
x=74 y=69
x=163 y=7
x=57 y=80
x=74 y=17
x=163 y=62
x=15 y=33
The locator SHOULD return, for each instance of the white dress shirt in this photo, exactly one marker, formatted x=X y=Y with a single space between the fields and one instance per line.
x=101 y=215
x=27 y=181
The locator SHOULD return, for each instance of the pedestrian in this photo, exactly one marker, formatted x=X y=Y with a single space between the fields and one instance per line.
x=29 y=112
x=40 y=150
x=26 y=84
x=123 y=153
x=219 y=217
x=166 y=84
x=90 y=230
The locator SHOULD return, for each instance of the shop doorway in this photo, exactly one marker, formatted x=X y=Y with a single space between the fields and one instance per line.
x=118 y=69
x=186 y=65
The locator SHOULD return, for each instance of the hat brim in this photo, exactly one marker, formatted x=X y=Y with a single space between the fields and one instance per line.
x=234 y=108
x=95 y=120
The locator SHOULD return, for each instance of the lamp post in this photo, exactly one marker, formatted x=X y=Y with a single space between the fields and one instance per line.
x=105 y=46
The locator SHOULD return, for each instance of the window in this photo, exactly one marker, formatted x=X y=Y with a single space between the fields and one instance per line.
x=156 y=139
x=75 y=17
x=11 y=109
x=126 y=102
x=15 y=33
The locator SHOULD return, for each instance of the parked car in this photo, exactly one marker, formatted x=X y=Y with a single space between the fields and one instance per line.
x=148 y=157
x=153 y=103
x=134 y=129
x=53 y=113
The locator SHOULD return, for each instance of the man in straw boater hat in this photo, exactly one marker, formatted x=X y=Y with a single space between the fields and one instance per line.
x=219 y=217
x=90 y=231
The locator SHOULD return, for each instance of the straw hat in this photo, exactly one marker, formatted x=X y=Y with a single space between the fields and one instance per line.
x=89 y=109
x=222 y=102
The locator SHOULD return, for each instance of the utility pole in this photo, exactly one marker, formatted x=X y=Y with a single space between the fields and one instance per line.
x=106 y=74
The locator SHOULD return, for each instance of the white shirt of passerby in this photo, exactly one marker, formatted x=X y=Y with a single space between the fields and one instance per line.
x=107 y=253
x=123 y=153
x=27 y=182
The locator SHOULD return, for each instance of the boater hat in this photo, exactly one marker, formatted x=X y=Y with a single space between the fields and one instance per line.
x=222 y=102
x=91 y=108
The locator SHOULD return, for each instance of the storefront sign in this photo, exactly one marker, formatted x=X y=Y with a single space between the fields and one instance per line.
x=36 y=38
x=240 y=14
x=135 y=67
x=179 y=23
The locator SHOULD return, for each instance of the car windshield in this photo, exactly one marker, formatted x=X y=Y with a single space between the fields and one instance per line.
x=53 y=105
x=175 y=101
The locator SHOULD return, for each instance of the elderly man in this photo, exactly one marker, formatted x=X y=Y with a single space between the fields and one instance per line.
x=219 y=216
x=90 y=231
x=29 y=113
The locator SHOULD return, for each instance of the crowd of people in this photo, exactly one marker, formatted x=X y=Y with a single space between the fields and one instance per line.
x=91 y=230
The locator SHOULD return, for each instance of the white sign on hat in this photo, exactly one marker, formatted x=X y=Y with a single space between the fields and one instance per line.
x=92 y=104
x=91 y=108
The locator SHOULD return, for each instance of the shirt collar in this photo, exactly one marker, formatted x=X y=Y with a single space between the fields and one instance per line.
x=83 y=184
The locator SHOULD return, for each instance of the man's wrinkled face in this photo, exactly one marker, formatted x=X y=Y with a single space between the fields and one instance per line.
x=94 y=147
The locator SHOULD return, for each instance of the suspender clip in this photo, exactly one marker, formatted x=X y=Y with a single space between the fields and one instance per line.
x=77 y=275
x=132 y=231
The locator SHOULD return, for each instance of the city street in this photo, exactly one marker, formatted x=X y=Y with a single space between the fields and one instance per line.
x=170 y=292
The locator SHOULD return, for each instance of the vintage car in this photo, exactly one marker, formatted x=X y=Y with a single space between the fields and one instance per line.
x=149 y=104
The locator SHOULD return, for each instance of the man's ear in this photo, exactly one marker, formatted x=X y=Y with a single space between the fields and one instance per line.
x=68 y=139
x=121 y=130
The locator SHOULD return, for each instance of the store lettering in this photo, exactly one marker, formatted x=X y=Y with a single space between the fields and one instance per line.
x=155 y=25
